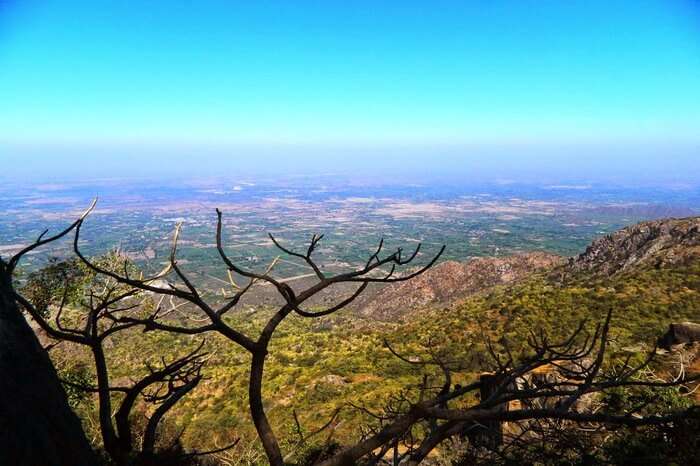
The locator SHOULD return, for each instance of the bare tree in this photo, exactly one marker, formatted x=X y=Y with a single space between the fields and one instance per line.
x=37 y=425
x=440 y=418
x=373 y=271
x=101 y=301
x=514 y=393
x=420 y=420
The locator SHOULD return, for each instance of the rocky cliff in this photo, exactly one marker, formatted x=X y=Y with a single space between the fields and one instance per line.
x=660 y=243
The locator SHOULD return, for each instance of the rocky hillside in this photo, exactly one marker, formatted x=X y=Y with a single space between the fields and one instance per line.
x=658 y=244
x=450 y=281
x=661 y=243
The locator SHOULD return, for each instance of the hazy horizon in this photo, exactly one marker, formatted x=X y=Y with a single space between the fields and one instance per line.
x=616 y=164
x=536 y=92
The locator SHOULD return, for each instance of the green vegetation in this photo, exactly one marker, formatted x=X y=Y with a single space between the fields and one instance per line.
x=317 y=366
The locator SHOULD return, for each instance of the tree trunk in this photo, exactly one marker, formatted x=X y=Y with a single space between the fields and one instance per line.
x=490 y=435
x=37 y=426
x=257 y=411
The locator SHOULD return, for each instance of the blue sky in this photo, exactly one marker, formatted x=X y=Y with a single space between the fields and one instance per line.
x=130 y=79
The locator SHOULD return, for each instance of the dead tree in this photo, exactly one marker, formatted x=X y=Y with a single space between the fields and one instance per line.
x=37 y=425
x=377 y=269
x=443 y=412
x=514 y=394
x=102 y=300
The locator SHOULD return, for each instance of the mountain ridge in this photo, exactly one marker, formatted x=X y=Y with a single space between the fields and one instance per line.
x=451 y=281
x=658 y=243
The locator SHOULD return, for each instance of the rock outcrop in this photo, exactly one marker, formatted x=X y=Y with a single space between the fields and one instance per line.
x=661 y=243
x=680 y=334
x=37 y=425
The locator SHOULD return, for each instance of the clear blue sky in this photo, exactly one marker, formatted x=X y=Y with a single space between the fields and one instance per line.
x=128 y=77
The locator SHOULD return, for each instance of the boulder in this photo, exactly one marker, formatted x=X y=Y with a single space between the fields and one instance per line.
x=680 y=334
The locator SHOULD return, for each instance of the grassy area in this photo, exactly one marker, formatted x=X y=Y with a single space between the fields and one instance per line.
x=316 y=366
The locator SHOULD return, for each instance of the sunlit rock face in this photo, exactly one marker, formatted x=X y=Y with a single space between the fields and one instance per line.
x=659 y=244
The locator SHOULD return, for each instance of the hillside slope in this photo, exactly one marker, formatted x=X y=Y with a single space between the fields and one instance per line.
x=658 y=243
x=451 y=281
x=316 y=366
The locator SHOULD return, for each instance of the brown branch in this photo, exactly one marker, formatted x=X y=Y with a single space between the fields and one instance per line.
x=305 y=257
x=41 y=240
